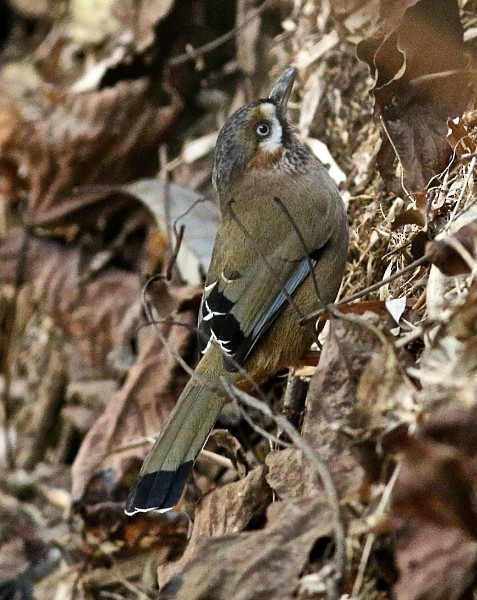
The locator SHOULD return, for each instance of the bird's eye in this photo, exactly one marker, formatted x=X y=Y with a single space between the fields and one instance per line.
x=262 y=129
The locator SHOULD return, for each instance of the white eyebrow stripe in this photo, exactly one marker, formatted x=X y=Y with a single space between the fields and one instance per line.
x=274 y=141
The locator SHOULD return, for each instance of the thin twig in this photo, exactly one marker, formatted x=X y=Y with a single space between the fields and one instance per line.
x=317 y=313
x=316 y=460
x=172 y=261
x=393 y=146
x=372 y=536
x=306 y=250
x=194 y=53
x=263 y=432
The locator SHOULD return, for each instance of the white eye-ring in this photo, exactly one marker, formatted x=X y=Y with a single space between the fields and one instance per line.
x=263 y=129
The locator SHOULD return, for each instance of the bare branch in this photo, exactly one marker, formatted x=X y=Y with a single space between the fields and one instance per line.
x=317 y=313
x=195 y=53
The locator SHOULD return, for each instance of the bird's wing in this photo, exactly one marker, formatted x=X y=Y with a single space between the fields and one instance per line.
x=259 y=298
x=243 y=298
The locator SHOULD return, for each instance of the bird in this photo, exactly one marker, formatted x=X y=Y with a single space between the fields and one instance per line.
x=279 y=253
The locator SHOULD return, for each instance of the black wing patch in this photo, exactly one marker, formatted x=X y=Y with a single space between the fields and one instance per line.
x=218 y=323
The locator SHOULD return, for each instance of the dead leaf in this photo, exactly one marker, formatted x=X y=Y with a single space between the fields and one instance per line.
x=291 y=476
x=459 y=138
x=261 y=564
x=385 y=393
x=435 y=563
x=332 y=397
x=90 y=308
x=183 y=206
x=229 y=509
x=452 y=476
x=417 y=59
x=411 y=216
x=82 y=142
x=444 y=254
x=105 y=529
x=142 y=406
x=442 y=294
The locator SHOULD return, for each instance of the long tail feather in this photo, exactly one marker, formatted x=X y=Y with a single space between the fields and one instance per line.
x=169 y=463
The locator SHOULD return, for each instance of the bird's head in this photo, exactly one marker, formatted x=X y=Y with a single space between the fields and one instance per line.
x=256 y=135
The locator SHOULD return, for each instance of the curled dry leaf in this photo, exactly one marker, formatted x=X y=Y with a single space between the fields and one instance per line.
x=442 y=293
x=417 y=58
x=181 y=206
x=454 y=256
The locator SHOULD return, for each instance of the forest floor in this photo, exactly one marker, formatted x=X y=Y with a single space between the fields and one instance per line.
x=350 y=477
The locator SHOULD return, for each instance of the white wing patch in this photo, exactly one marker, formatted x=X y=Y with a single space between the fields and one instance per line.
x=221 y=343
x=207 y=315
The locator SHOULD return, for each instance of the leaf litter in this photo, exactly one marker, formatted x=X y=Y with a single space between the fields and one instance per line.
x=106 y=133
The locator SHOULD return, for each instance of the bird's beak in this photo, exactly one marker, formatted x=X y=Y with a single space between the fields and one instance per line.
x=282 y=89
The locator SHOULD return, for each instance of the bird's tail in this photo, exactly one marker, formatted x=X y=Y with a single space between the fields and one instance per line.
x=169 y=463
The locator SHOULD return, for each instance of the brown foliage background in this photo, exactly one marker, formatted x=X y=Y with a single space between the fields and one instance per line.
x=109 y=113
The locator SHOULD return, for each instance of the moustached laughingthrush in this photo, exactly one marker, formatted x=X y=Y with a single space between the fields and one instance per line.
x=281 y=217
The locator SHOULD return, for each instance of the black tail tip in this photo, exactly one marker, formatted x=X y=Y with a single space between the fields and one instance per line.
x=159 y=490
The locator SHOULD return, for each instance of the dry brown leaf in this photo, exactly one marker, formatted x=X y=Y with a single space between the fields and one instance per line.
x=106 y=529
x=141 y=407
x=452 y=476
x=442 y=293
x=261 y=564
x=91 y=308
x=442 y=458
x=292 y=476
x=331 y=401
x=459 y=138
x=448 y=367
x=229 y=509
x=385 y=393
x=417 y=59
x=435 y=563
x=411 y=216
x=109 y=137
x=447 y=257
